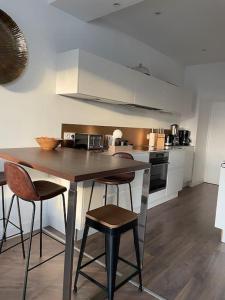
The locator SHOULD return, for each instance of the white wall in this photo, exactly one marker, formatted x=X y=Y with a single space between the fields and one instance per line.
x=215 y=150
x=29 y=106
x=208 y=82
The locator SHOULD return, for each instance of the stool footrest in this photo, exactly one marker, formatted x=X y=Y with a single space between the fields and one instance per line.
x=53 y=256
x=93 y=280
x=12 y=245
x=10 y=236
x=41 y=263
x=101 y=285
x=128 y=263
x=17 y=243
x=4 y=219
x=126 y=280
x=92 y=260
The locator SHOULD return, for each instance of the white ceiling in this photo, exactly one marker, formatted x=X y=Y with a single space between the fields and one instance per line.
x=88 y=10
x=183 y=29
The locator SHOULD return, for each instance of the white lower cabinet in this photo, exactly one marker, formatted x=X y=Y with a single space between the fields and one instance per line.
x=188 y=165
x=175 y=177
x=178 y=159
x=174 y=182
x=175 y=174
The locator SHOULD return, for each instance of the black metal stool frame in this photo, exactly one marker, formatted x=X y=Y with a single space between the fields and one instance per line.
x=4 y=219
x=5 y=224
x=112 y=257
x=28 y=268
x=3 y=207
x=106 y=189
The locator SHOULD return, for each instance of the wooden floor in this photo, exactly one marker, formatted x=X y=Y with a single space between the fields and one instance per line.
x=184 y=259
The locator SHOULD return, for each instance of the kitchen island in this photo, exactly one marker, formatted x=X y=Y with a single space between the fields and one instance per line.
x=178 y=171
x=76 y=166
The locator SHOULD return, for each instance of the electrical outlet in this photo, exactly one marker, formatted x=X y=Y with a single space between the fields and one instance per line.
x=69 y=136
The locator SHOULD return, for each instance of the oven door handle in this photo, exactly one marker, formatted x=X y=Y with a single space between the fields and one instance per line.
x=162 y=164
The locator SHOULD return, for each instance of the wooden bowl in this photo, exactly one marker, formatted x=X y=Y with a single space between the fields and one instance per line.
x=47 y=143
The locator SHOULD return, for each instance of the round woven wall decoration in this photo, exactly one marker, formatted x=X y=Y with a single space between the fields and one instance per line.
x=13 y=49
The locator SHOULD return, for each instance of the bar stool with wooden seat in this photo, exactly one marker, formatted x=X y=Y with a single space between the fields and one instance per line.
x=112 y=221
x=116 y=180
x=23 y=188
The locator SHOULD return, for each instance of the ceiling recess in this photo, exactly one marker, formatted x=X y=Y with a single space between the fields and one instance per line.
x=89 y=10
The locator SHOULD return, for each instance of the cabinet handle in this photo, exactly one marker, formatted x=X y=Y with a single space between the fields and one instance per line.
x=162 y=164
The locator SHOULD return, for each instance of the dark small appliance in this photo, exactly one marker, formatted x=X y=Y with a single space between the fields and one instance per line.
x=169 y=140
x=184 y=137
x=175 y=134
x=88 y=141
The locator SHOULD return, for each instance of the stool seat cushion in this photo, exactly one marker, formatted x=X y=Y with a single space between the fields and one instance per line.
x=119 y=179
x=112 y=216
x=47 y=189
x=2 y=179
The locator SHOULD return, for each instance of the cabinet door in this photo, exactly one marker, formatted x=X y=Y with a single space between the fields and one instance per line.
x=175 y=171
x=176 y=158
x=104 y=79
x=152 y=92
x=188 y=164
x=174 y=180
x=149 y=91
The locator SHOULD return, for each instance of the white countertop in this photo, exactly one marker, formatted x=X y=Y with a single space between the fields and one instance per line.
x=146 y=152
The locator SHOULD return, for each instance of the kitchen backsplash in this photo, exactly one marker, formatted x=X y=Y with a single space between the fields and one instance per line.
x=135 y=136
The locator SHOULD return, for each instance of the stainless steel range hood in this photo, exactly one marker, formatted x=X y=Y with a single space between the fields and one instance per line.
x=142 y=106
x=91 y=99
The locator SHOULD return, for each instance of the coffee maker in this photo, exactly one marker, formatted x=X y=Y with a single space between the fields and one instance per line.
x=175 y=134
x=184 y=137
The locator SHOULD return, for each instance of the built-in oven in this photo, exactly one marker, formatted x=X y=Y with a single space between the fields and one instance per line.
x=159 y=168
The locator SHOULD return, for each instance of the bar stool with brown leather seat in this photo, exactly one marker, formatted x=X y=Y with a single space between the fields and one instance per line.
x=112 y=221
x=116 y=180
x=3 y=219
x=23 y=188
x=2 y=184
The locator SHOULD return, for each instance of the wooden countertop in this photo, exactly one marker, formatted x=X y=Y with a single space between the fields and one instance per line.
x=71 y=164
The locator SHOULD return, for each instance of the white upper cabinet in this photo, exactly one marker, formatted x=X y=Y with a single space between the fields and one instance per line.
x=86 y=76
x=104 y=79
x=149 y=91
x=152 y=92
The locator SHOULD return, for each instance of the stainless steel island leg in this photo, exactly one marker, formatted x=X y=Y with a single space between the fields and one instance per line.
x=143 y=213
x=69 y=248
